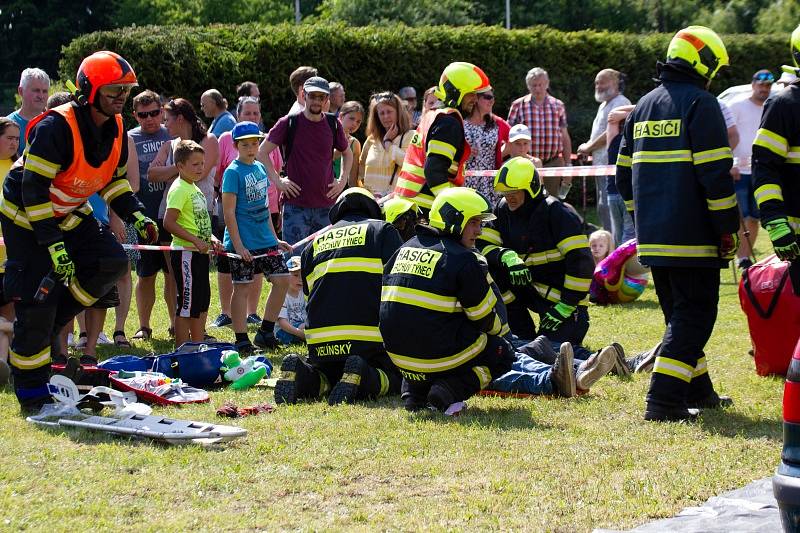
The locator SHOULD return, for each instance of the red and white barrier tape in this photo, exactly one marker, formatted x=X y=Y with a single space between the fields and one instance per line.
x=560 y=172
x=168 y=248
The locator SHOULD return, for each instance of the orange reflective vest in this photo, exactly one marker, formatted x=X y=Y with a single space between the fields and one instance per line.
x=74 y=185
x=411 y=179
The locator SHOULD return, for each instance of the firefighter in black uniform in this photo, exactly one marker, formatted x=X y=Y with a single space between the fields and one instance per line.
x=438 y=151
x=540 y=257
x=438 y=312
x=776 y=168
x=403 y=214
x=342 y=269
x=75 y=150
x=673 y=172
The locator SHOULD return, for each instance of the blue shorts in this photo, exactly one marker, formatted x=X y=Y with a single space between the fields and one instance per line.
x=745 y=196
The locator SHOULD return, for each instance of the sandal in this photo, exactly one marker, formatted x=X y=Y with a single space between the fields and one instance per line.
x=144 y=334
x=121 y=343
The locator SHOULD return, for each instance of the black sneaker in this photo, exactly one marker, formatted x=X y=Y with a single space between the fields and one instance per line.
x=286 y=388
x=563 y=373
x=244 y=348
x=712 y=401
x=346 y=389
x=657 y=413
x=265 y=340
x=644 y=361
x=621 y=367
x=253 y=318
x=221 y=321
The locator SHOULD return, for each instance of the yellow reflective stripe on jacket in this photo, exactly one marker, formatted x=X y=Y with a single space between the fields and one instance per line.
x=491 y=236
x=484 y=376
x=418 y=298
x=121 y=171
x=707 y=156
x=13 y=212
x=40 y=211
x=541 y=258
x=793 y=156
x=437 y=190
x=436 y=146
x=674 y=368
x=483 y=308
x=413 y=169
x=771 y=141
x=623 y=161
x=662 y=156
x=508 y=297
x=700 y=368
x=768 y=192
x=551 y=294
x=794 y=223
x=497 y=326
x=29 y=362
x=572 y=243
x=114 y=189
x=370 y=265
x=722 y=203
x=425 y=201
x=682 y=250
x=41 y=166
x=629 y=205
x=80 y=294
x=440 y=364
x=347 y=332
x=576 y=284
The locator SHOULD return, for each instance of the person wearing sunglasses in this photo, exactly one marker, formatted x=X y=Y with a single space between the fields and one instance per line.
x=486 y=134
x=60 y=261
x=747 y=114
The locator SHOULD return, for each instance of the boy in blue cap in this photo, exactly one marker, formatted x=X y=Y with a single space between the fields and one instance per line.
x=249 y=232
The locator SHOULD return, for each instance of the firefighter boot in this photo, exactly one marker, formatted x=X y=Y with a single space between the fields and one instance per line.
x=298 y=380
x=355 y=371
x=701 y=390
x=666 y=398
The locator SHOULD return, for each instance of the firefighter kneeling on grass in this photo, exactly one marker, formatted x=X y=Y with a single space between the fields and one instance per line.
x=342 y=271
x=438 y=318
x=75 y=150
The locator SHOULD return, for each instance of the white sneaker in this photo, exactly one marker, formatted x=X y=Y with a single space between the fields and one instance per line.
x=102 y=339
x=598 y=365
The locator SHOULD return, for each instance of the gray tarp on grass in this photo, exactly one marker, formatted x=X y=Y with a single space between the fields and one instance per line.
x=750 y=509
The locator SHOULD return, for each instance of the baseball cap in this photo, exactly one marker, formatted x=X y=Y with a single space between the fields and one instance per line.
x=763 y=76
x=315 y=84
x=293 y=263
x=519 y=131
x=246 y=130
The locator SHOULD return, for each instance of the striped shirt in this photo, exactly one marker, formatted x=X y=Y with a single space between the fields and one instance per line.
x=545 y=121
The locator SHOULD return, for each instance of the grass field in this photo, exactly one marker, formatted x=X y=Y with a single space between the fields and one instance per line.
x=535 y=465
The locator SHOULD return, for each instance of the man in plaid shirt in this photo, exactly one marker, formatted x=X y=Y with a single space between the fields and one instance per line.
x=547 y=119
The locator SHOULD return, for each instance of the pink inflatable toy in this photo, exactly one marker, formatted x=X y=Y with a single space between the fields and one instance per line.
x=619 y=278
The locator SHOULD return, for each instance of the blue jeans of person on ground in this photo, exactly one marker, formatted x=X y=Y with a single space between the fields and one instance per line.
x=621 y=221
x=284 y=337
x=300 y=222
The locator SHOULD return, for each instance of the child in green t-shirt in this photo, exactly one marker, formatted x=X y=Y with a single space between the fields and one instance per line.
x=187 y=220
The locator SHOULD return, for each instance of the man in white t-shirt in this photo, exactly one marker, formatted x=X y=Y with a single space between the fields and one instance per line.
x=747 y=113
x=608 y=86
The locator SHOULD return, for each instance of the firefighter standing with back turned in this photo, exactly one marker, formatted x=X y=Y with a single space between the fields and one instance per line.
x=776 y=169
x=673 y=172
x=438 y=151
x=74 y=151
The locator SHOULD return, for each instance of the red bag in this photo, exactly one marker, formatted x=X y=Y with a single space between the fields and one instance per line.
x=773 y=314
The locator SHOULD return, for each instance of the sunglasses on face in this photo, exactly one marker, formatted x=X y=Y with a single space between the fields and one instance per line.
x=115 y=91
x=487 y=96
x=764 y=77
x=152 y=114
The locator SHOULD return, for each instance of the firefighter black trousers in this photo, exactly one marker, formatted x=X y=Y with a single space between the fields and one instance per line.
x=99 y=262
x=688 y=299
x=317 y=377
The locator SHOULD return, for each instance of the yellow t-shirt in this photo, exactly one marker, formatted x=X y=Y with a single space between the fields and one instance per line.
x=5 y=166
x=190 y=202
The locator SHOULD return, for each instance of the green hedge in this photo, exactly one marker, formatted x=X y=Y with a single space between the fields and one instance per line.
x=185 y=61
